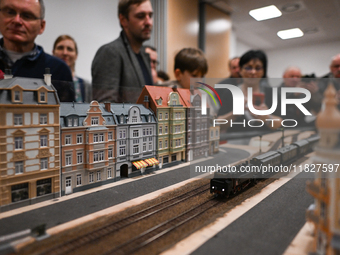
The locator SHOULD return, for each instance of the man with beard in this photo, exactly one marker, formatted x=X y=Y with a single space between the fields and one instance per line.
x=21 y=21
x=121 y=69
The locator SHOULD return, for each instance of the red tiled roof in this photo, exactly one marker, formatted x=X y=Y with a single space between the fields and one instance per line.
x=156 y=92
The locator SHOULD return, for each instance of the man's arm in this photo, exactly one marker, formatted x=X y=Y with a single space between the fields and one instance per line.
x=106 y=70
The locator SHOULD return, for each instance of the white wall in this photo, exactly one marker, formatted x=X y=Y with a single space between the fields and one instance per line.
x=90 y=23
x=311 y=59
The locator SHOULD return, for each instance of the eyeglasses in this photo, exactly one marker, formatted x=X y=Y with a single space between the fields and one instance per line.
x=11 y=13
x=250 y=68
x=154 y=62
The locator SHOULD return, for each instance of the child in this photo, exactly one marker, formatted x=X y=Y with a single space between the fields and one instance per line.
x=189 y=63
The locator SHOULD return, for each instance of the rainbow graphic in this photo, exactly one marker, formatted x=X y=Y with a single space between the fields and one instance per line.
x=209 y=93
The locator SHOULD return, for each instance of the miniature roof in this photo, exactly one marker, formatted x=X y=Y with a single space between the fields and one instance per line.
x=157 y=92
x=123 y=108
x=329 y=117
x=29 y=86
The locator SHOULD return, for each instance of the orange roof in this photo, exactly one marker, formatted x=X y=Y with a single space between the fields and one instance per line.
x=185 y=95
x=157 y=92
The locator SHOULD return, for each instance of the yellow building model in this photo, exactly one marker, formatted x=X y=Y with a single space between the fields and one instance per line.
x=326 y=186
x=29 y=141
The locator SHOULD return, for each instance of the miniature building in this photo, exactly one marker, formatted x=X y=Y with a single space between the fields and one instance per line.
x=170 y=110
x=29 y=141
x=136 y=139
x=88 y=133
x=326 y=186
x=197 y=125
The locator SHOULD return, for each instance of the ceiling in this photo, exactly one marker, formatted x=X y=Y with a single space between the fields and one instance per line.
x=318 y=19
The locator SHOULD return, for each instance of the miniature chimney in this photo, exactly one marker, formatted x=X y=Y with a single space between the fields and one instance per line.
x=107 y=106
x=8 y=74
x=146 y=102
x=48 y=77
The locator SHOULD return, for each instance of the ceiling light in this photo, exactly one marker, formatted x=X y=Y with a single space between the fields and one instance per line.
x=268 y=12
x=290 y=33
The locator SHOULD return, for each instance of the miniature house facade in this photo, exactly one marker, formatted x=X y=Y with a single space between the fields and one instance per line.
x=29 y=142
x=136 y=139
x=326 y=186
x=170 y=111
x=88 y=134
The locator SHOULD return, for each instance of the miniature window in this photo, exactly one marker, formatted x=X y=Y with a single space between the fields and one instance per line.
x=94 y=121
x=122 y=119
x=159 y=101
x=101 y=156
x=78 y=179
x=79 y=158
x=198 y=127
x=160 y=116
x=42 y=96
x=17 y=119
x=68 y=159
x=43 y=119
x=166 y=116
x=134 y=119
x=18 y=142
x=19 y=167
x=135 y=149
x=91 y=179
x=211 y=134
x=144 y=147
x=95 y=138
x=189 y=127
x=68 y=139
x=101 y=137
x=75 y=122
x=174 y=102
x=216 y=133
x=95 y=156
x=109 y=173
x=135 y=141
x=135 y=133
x=150 y=146
x=160 y=145
x=160 y=130
x=110 y=153
x=69 y=122
x=17 y=96
x=110 y=136
x=43 y=163
x=43 y=141
x=198 y=139
x=79 y=139
x=166 y=144
x=122 y=151
x=149 y=119
x=166 y=129
x=99 y=176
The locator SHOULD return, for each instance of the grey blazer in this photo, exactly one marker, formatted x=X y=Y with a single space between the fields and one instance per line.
x=116 y=73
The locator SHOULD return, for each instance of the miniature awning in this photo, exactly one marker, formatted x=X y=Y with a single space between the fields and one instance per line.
x=140 y=164
x=151 y=161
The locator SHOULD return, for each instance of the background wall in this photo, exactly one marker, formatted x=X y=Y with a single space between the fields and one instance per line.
x=217 y=31
x=182 y=29
x=90 y=23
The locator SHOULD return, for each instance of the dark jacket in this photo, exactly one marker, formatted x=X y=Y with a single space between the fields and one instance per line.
x=116 y=73
x=33 y=66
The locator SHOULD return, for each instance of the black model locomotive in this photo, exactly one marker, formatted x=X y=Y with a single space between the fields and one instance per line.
x=230 y=183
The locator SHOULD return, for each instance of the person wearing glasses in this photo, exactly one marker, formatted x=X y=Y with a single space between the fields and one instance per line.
x=20 y=23
x=120 y=69
x=253 y=70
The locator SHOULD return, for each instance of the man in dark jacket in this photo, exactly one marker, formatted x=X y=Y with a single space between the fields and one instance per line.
x=20 y=23
x=121 y=69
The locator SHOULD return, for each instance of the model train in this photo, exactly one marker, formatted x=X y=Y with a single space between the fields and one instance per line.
x=246 y=173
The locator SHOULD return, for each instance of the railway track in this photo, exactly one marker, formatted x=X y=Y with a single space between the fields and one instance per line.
x=162 y=229
x=86 y=239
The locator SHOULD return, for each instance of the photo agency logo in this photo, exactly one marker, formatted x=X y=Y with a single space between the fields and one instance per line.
x=241 y=105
